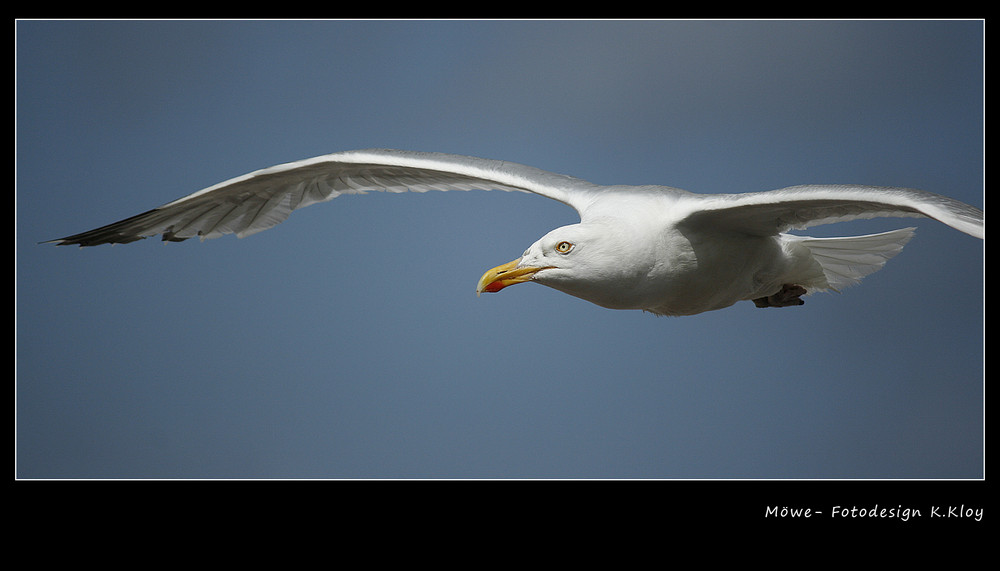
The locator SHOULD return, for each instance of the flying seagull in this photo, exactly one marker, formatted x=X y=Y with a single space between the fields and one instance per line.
x=655 y=248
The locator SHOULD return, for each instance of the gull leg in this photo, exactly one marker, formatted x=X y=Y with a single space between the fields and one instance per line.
x=788 y=296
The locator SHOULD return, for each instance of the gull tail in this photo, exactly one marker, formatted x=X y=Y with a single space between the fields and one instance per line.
x=848 y=259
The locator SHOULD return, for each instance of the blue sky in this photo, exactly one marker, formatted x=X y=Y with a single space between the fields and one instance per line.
x=348 y=342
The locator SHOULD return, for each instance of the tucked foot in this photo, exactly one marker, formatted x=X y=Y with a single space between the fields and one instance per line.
x=788 y=296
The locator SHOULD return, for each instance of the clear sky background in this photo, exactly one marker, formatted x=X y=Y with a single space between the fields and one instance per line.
x=348 y=342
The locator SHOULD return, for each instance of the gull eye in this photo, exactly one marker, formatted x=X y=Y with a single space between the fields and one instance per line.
x=564 y=247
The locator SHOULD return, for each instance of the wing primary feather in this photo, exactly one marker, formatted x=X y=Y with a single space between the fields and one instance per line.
x=260 y=199
x=776 y=211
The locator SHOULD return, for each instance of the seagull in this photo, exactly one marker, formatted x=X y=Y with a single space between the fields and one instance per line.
x=658 y=249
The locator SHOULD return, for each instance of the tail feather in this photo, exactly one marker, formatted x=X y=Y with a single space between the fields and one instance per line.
x=848 y=259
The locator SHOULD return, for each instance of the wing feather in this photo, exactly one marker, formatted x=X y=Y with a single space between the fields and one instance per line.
x=261 y=199
x=797 y=207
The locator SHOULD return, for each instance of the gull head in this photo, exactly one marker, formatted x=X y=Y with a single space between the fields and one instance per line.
x=593 y=261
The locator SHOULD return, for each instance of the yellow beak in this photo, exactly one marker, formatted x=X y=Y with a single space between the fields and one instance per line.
x=506 y=275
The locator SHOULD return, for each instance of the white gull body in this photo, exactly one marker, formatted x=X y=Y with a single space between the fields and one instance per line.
x=654 y=248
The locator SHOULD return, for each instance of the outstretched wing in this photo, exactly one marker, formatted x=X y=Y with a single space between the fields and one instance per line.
x=261 y=199
x=797 y=207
